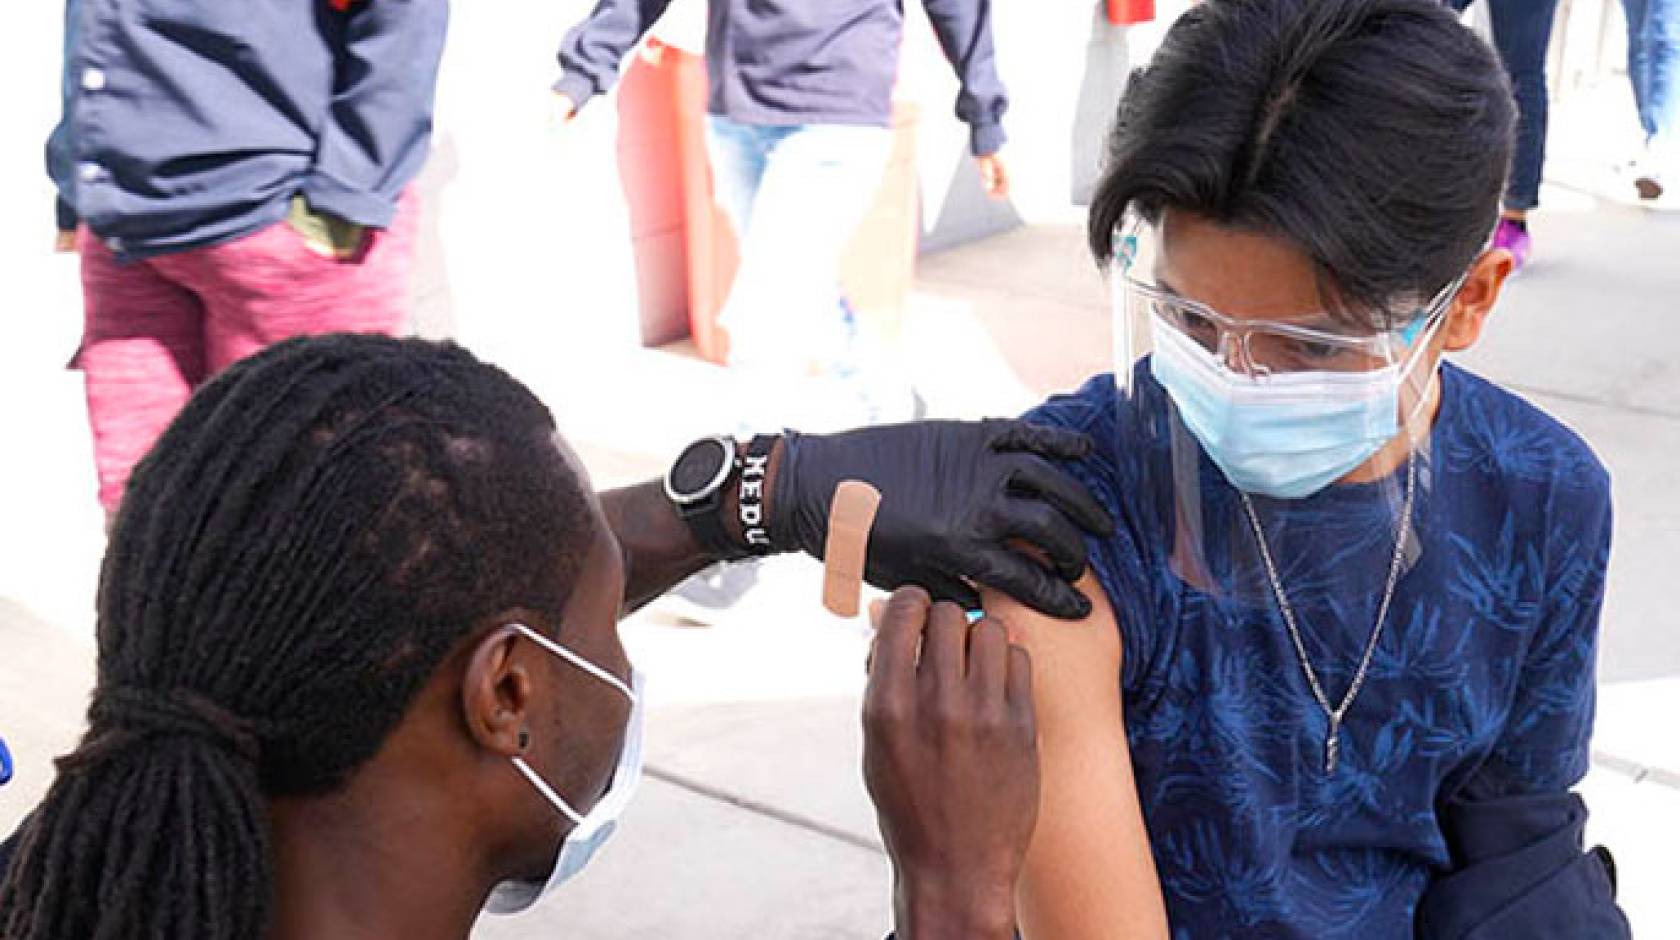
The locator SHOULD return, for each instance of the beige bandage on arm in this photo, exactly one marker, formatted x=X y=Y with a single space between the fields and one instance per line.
x=850 y=518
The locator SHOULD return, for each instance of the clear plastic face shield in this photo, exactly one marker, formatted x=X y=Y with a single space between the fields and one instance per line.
x=1283 y=457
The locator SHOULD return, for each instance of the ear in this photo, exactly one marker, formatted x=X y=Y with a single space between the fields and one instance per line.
x=496 y=694
x=1481 y=290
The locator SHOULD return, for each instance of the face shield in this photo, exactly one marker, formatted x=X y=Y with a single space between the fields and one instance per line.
x=1285 y=459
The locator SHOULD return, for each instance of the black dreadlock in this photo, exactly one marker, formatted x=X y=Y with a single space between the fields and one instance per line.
x=311 y=536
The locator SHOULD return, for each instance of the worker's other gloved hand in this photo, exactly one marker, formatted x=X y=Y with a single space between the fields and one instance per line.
x=963 y=503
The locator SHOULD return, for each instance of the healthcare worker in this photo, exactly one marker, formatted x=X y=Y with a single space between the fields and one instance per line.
x=359 y=673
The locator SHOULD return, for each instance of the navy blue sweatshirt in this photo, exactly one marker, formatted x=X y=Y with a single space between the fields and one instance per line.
x=781 y=62
x=191 y=124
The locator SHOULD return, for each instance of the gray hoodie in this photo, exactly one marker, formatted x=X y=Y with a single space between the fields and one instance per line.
x=781 y=62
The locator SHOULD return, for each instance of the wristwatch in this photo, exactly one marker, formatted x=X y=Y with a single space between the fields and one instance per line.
x=695 y=485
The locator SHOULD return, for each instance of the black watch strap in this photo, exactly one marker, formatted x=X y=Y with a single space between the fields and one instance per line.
x=755 y=468
x=705 y=520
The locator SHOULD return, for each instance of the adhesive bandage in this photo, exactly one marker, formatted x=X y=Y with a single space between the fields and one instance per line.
x=850 y=518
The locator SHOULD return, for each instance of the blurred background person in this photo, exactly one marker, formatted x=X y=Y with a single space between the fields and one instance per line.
x=1654 y=71
x=1522 y=32
x=238 y=174
x=799 y=131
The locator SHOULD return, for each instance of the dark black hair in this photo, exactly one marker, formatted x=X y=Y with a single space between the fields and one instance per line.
x=313 y=534
x=1374 y=135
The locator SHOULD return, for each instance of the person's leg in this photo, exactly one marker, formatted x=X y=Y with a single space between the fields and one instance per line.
x=1522 y=30
x=1654 y=73
x=1639 y=58
x=1662 y=78
x=272 y=285
x=818 y=184
x=141 y=355
x=737 y=153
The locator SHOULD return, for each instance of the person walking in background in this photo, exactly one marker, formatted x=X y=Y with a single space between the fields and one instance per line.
x=800 y=105
x=233 y=174
x=1654 y=71
x=1522 y=32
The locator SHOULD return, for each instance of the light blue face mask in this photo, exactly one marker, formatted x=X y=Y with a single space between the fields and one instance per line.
x=1286 y=435
x=592 y=829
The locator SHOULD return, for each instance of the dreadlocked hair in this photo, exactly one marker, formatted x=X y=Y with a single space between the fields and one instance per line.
x=1373 y=135
x=306 y=542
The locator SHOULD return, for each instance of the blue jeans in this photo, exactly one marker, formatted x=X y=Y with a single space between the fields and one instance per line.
x=1654 y=68
x=1522 y=31
x=795 y=196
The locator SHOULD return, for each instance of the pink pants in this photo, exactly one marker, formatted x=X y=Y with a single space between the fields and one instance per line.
x=157 y=329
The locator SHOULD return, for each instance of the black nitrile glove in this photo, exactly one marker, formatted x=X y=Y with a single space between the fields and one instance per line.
x=954 y=495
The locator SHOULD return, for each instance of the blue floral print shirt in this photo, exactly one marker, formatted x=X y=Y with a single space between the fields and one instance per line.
x=1480 y=688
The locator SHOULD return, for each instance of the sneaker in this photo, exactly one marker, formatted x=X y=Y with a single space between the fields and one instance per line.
x=704 y=599
x=1647 y=175
x=1513 y=237
x=1649 y=184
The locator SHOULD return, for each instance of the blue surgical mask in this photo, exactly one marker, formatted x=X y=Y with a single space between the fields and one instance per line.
x=590 y=830
x=1286 y=435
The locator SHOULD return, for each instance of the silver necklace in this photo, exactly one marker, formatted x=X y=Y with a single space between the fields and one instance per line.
x=1333 y=737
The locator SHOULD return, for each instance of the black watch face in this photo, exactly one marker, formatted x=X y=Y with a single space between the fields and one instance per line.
x=698 y=467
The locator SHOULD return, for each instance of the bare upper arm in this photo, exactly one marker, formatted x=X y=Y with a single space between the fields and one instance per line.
x=1089 y=872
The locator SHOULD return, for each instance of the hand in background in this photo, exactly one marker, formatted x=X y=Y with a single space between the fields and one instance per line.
x=564 y=110
x=65 y=242
x=994 y=176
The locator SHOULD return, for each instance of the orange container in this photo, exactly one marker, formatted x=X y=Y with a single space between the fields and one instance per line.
x=1127 y=12
x=651 y=171
x=711 y=253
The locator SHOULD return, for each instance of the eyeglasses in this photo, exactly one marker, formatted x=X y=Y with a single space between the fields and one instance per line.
x=1264 y=347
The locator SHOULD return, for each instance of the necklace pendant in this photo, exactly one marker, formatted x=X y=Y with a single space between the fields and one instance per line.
x=1332 y=750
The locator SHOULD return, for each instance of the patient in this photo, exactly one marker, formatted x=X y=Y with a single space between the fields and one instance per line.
x=1341 y=662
